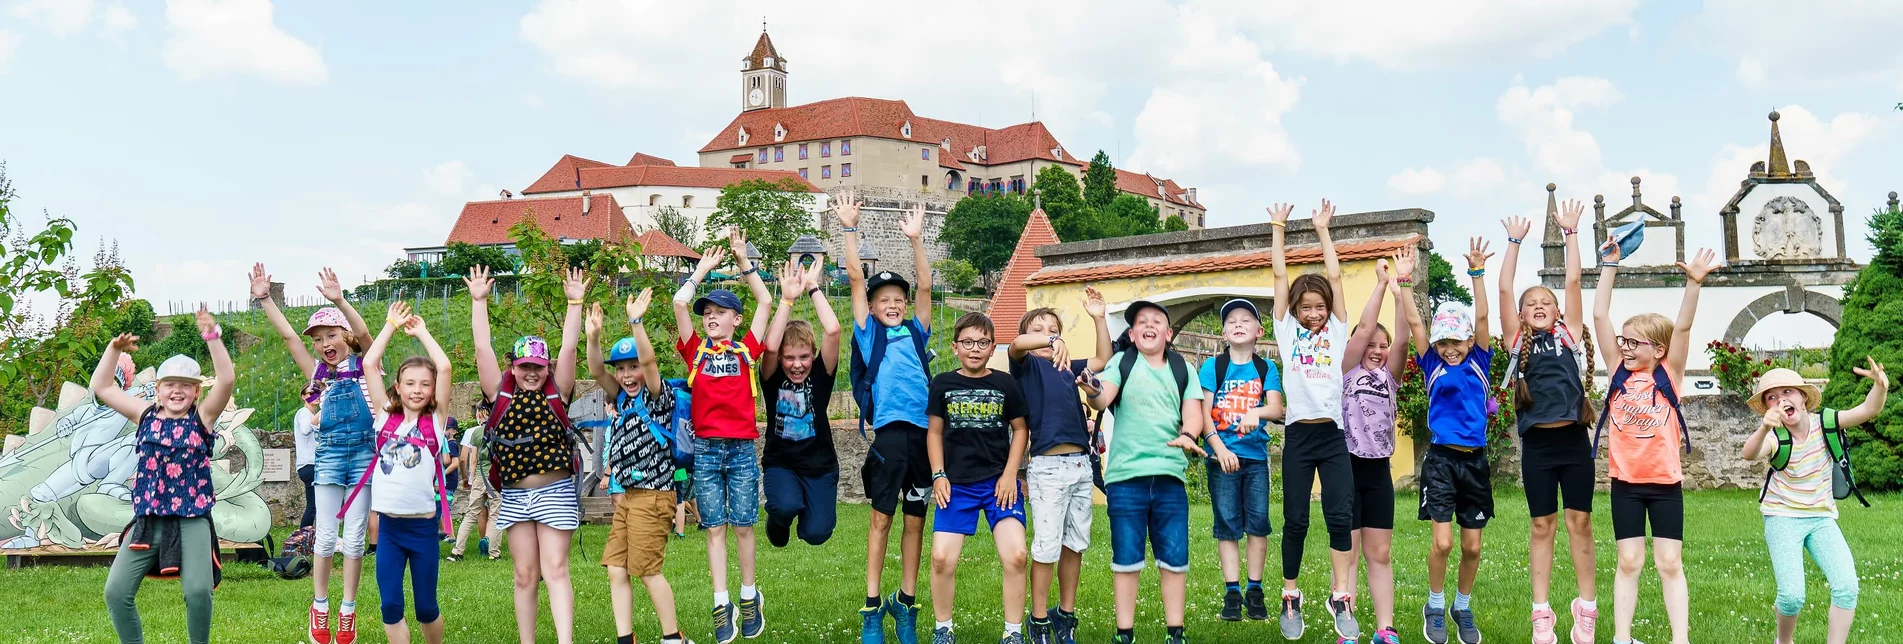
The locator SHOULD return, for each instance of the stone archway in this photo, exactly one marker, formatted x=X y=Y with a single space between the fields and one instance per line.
x=1793 y=299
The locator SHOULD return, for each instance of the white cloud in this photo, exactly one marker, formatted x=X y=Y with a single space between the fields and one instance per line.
x=213 y=38
x=59 y=17
x=1751 y=72
x=446 y=178
x=1478 y=177
x=1543 y=117
x=9 y=43
x=1411 y=181
x=1444 y=33
x=118 y=20
x=1221 y=109
x=1832 y=42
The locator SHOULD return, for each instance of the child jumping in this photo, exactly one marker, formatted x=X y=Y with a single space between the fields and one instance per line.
x=345 y=439
x=411 y=501
x=799 y=466
x=1311 y=331
x=1245 y=394
x=1368 y=410
x=1059 y=479
x=532 y=448
x=721 y=371
x=1799 y=503
x=1456 y=480
x=976 y=443
x=1647 y=434
x=171 y=490
x=640 y=465
x=1555 y=452
x=897 y=469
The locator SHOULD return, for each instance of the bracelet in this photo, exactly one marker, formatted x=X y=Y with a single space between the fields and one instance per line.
x=1056 y=339
x=634 y=321
x=849 y=229
x=938 y=475
x=1569 y=231
x=576 y=302
x=1405 y=283
x=1188 y=435
x=786 y=302
x=1476 y=272
x=217 y=331
x=750 y=271
x=1606 y=264
x=1513 y=240
x=1279 y=224
x=812 y=291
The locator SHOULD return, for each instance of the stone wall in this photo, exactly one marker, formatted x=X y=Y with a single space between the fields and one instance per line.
x=882 y=209
x=285 y=498
x=1718 y=424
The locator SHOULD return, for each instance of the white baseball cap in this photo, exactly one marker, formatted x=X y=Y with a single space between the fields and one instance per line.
x=181 y=368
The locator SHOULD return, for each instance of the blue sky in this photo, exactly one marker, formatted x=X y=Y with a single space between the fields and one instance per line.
x=207 y=134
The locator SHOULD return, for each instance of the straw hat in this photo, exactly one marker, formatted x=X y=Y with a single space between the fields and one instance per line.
x=1779 y=378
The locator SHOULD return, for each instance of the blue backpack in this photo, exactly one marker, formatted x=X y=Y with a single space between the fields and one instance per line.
x=1662 y=381
x=681 y=429
x=866 y=361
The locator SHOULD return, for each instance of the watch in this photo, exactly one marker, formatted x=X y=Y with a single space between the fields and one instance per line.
x=1056 y=339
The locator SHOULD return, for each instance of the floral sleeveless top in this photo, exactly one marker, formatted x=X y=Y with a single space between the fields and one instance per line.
x=174 y=469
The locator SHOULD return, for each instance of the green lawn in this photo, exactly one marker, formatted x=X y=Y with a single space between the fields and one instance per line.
x=813 y=592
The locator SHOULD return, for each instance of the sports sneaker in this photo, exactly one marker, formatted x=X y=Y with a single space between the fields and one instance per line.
x=752 y=618
x=1253 y=602
x=482 y=545
x=1344 y=611
x=1012 y=638
x=1464 y=621
x=942 y=635
x=1064 y=627
x=1231 y=606
x=1543 y=620
x=320 y=626
x=454 y=557
x=1123 y=639
x=904 y=619
x=726 y=624
x=1584 y=623
x=1177 y=639
x=1386 y=636
x=346 y=628
x=1040 y=631
x=1343 y=640
x=872 y=625
x=1434 y=624
x=1292 y=625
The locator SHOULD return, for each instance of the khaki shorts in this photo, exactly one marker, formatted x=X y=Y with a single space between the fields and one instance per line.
x=638 y=539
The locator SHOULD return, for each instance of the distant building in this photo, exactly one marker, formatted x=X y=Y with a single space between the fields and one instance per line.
x=567 y=219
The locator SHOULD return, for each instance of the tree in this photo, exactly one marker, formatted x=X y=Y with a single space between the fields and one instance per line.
x=956 y=273
x=545 y=261
x=461 y=255
x=1441 y=285
x=134 y=317
x=678 y=225
x=581 y=253
x=1100 y=182
x=773 y=214
x=1175 y=224
x=1873 y=327
x=983 y=230
x=404 y=269
x=1129 y=214
x=1061 y=196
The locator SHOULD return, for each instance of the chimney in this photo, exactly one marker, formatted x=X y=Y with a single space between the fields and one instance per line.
x=584 y=203
x=1192 y=196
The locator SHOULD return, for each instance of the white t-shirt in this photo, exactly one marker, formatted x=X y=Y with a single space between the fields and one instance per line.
x=405 y=475
x=1311 y=367
x=306 y=435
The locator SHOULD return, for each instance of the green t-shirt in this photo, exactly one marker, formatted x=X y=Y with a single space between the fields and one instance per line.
x=1148 y=417
x=473 y=439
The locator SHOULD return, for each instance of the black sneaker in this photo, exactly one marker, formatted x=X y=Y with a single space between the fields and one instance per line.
x=1231 y=606
x=1465 y=628
x=1434 y=624
x=778 y=534
x=1177 y=639
x=1254 y=604
x=1123 y=639
x=1040 y=631
x=453 y=557
x=753 y=615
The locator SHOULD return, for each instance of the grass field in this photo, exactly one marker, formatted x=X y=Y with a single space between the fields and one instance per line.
x=813 y=592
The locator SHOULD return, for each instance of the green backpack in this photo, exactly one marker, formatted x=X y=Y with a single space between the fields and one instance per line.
x=1843 y=482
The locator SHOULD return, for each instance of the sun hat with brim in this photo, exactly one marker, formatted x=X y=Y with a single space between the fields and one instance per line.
x=180 y=369
x=624 y=349
x=531 y=349
x=1778 y=379
x=327 y=316
x=721 y=297
x=1130 y=314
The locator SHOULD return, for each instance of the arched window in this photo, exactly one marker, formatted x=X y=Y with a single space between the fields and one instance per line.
x=687 y=201
x=654 y=199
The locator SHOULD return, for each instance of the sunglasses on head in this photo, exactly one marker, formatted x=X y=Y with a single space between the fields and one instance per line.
x=1634 y=343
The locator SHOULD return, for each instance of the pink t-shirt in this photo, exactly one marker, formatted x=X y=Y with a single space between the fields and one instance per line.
x=1367 y=409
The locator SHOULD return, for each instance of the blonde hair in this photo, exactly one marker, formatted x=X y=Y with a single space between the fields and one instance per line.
x=1654 y=327
x=799 y=332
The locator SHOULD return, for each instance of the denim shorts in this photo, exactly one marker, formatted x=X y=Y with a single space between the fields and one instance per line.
x=726 y=482
x=1152 y=510
x=1240 y=499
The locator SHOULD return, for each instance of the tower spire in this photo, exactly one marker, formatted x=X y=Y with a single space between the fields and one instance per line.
x=1779 y=165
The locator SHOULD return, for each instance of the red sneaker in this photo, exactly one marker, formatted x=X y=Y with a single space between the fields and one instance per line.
x=320 y=626
x=346 y=628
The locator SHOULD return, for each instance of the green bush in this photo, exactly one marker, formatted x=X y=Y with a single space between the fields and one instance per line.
x=1873 y=326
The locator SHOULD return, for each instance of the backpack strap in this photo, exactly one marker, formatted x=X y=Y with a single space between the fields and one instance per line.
x=1222 y=368
x=1839 y=446
x=1615 y=385
x=1179 y=368
x=1662 y=380
x=1781 y=458
x=390 y=425
x=1124 y=366
x=1261 y=375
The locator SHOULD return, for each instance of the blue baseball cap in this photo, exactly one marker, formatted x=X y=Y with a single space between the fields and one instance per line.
x=721 y=297
x=624 y=349
x=1239 y=303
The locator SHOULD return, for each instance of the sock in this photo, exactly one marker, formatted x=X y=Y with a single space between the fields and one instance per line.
x=721 y=599
x=747 y=593
x=624 y=639
x=1010 y=628
x=873 y=602
x=1291 y=594
x=670 y=637
x=1255 y=584
x=908 y=600
x=350 y=607
x=321 y=604
x=1437 y=599
x=1542 y=606
x=1232 y=587
x=1462 y=600
x=1040 y=621
x=1175 y=631
x=1589 y=605
x=1618 y=641
x=947 y=625
x=1126 y=634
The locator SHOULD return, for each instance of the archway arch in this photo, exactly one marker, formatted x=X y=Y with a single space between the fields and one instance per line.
x=1793 y=299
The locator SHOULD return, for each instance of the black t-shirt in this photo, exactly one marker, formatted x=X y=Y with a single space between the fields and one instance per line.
x=798 y=436
x=1056 y=413
x=1551 y=370
x=978 y=414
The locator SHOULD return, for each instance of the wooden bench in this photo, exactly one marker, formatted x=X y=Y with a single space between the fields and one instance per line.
x=57 y=555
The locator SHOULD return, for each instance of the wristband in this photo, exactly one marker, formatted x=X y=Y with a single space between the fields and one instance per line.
x=577 y=302
x=1607 y=264
x=938 y=475
x=1513 y=240
x=1569 y=231
x=1055 y=340
x=634 y=321
x=1476 y=272
x=849 y=229
x=685 y=293
x=1278 y=224
x=216 y=332
x=1189 y=436
x=750 y=271
x=786 y=301
x=1405 y=283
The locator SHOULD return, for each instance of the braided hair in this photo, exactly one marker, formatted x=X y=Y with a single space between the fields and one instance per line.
x=1523 y=395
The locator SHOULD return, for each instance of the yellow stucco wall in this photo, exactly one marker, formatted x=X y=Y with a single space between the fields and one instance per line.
x=1357 y=280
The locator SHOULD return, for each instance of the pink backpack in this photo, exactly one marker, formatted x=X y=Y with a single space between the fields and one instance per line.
x=427 y=425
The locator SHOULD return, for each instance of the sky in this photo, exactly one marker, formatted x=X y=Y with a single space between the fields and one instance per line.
x=204 y=135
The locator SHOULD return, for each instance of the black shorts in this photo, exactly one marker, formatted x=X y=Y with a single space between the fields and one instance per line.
x=1456 y=486
x=1636 y=504
x=1556 y=463
x=1374 y=493
x=897 y=470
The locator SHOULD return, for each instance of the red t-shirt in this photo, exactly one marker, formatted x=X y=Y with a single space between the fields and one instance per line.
x=723 y=390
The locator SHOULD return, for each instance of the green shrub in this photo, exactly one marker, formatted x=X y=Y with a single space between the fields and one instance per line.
x=1873 y=326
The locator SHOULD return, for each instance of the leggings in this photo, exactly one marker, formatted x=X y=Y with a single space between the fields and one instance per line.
x=307 y=473
x=329 y=499
x=1315 y=449
x=413 y=543
x=1788 y=538
x=194 y=574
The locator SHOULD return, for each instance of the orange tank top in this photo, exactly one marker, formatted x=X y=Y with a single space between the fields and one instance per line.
x=1645 y=444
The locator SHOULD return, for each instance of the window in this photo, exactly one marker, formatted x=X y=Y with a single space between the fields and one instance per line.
x=971 y=186
x=802 y=151
x=997 y=185
x=654 y=199
x=951 y=181
x=687 y=201
x=1017 y=184
x=845 y=148
x=779 y=153
x=826 y=149
x=756 y=82
x=825 y=172
x=845 y=169
x=802 y=173
x=924 y=181
x=762 y=155
x=925 y=153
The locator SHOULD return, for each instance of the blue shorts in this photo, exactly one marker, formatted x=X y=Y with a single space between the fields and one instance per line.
x=1239 y=500
x=1153 y=511
x=960 y=515
x=726 y=482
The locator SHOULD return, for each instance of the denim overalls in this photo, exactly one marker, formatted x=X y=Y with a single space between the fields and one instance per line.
x=345 y=435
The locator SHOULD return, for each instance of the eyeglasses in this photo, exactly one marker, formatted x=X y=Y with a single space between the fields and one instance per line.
x=973 y=345
x=1634 y=343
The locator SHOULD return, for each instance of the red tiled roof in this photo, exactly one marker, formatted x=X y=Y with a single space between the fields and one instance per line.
x=565 y=175
x=655 y=243
x=689 y=177
x=1307 y=254
x=947 y=161
x=831 y=119
x=488 y=222
x=740 y=158
x=1002 y=145
x=1147 y=185
x=1010 y=302
x=763 y=49
x=642 y=158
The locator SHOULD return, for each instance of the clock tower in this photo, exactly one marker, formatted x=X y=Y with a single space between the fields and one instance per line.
x=762 y=76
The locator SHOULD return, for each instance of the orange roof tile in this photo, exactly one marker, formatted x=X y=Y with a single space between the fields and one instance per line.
x=655 y=243
x=1010 y=301
x=762 y=50
x=1009 y=144
x=488 y=222
x=642 y=158
x=564 y=175
x=830 y=119
x=1306 y=254
x=740 y=158
x=688 y=177
x=1149 y=186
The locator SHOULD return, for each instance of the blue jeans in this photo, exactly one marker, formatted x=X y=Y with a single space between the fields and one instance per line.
x=411 y=543
x=1239 y=499
x=726 y=482
x=812 y=500
x=1152 y=510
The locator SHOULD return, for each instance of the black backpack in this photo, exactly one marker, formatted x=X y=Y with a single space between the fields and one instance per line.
x=866 y=361
x=1123 y=347
x=1843 y=481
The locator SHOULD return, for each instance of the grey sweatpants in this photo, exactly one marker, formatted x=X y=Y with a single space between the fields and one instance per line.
x=128 y=571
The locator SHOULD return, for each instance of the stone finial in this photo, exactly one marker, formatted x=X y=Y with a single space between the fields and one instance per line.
x=1801 y=168
x=1893 y=202
x=1635 y=191
x=1551 y=236
x=1778 y=167
x=1676 y=205
x=1551 y=187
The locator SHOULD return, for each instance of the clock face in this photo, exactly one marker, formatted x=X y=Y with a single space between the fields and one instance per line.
x=754 y=97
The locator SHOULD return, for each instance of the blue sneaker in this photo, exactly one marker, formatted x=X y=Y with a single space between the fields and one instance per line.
x=872 y=625
x=1065 y=627
x=726 y=627
x=752 y=617
x=904 y=619
x=1434 y=624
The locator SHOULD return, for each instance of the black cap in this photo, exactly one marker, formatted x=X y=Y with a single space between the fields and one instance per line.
x=883 y=278
x=1239 y=303
x=1130 y=314
x=722 y=298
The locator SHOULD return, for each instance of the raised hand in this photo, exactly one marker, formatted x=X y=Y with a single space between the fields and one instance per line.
x=1279 y=212
x=637 y=305
x=478 y=283
x=206 y=324
x=737 y=240
x=1517 y=227
x=792 y=281
x=1609 y=253
x=415 y=327
x=125 y=343
x=1325 y=215
x=1569 y=214
x=576 y=285
x=1701 y=265
x=711 y=260
x=260 y=282
x=1477 y=254
x=847 y=208
x=914 y=224
x=1875 y=372
x=328 y=285
x=1381 y=271
x=397 y=315
x=1404 y=262
x=591 y=324
x=813 y=274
